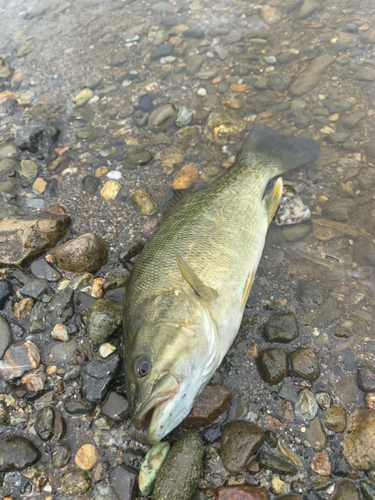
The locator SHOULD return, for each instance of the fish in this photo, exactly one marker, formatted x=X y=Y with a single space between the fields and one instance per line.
x=186 y=294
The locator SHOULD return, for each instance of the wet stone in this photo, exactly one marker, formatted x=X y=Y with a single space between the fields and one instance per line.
x=7 y=151
x=37 y=475
x=281 y=328
x=241 y=493
x=272 y=365
x=44 y=424
x=310 y=295
x=306 y=407
x=60 y=308
x=339 y=465
x=339 y=210
x=75 y=482
x=311 y=76
x=90 y=184
x=179 y=475
x=276 y=464
x=287 y=411
x=316 y=435
x=85 y=253
x=28 y=169
x=212 y=433
x=280 y=83
x=321 y=464
x=346 y=490
x=34 y=288
x=46 y=399
x=240 y=441
x=163 y=50
x=162 y=118
x=6 y=290
x=359 y=441
x=365 y=378
x=76 y=405
x=151 y=465
x=118 y=58
x=19 y=358
x=103 y=491
x=4 y=416
x=62 y=353
x=304 y=363
x=213 y=401
x=335 y=418
x=352 y=120
x=17 y=453
x=144 y=202
x=139 y=158
x=115 y=407
x=133 y=458
x=97 y=377
x=60 y=455
x=124 y=482
x=86 y=457
x=42 y=270
x=6 y=337
x=103 y=318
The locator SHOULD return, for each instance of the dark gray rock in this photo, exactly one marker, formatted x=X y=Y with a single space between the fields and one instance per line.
x=133 y=458
x=17 y=453
x=46 y=399
x=76 y=405
x=162 y=51
x=6 y=290
x=115 y=407
x=6 y=337
x=42 y=270
x=276 y=464
x=346 y=490
x=272 y=365
x=339 y=210
x=281 y=327
x=162 y=117
x=193 y=33
x=352 y=120
x=119 y=58
x=103 y=319
x=60 y=455
x=97 y=377
x=194 y=64
x=310 y=295
x=366 y=378
x=139 y=158
x=62 y=352
x=44 y=423
x=35 y=288
x=339 y=465
x=304 y=363
x=124 y=482
x=4 y=415
x=280 y=83
x=289 y=393
x=60 y=308
x=90 y=184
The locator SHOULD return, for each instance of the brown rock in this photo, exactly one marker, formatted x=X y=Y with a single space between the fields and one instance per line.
x=241 y=493
x=97 y=288
x=56 y=209
x=144 y=202
x=213 y=401
x=324 y=230
x=370 y=400
x=270 y=15
x=335 y=418
x=187 y=176
x=35 y=380
x=23 y=307
x=239 y=442
x=86 y=457
x=18 y=359
x=22 y=238
x=321 y=464
x=287 y=411
x=359 y=441
x=39 y=185
x=311 y=76
x=85 y=253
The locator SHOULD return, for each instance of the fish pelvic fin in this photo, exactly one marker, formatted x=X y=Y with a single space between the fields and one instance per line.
x=272 y=200
x=201 y=289
x=288 y=152
x=248 y=286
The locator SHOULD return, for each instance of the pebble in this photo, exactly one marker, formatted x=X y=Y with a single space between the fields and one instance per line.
x=110 y=190
x=186 y=177
x=304 y=363
x=194 y=64
x=144 y=202
x=365 y=378
x=213 y=401
x=97 y=377
x=321 y=464
x=139 y=158
x=17 y=453
x=23 y=307
x=346 y=490
x=82 y=98
x=311 y=76
x=35 y=380
x=90 y=184
x=44 y=423
x=75 y=482
x=124 y=481
x=370 y=400
x=352 y=120
x=272 y=365
x=85 y=253
x=173 y=480
x=18 y=359
x=76 y=405
x=34 y=288
x=114 y=174
x=6 y=290
x=359 y=441
x=163 y=50
x=241 y=493
x=339 y=210
x=4 y=415
x=28 y=169
x=106 y=350
x=115 y=407
x=306 y=407
x=6 y=337
x=39 y=186
x=103 y=318
x=366 y=74
x=37 y=475
x=271 y=15
x=86 y=457
x=276 y=464
x=240 y=441
x=224 y=123
x=162 y=117
x=151 y=465
x=307 y=8
x=316 y=435
x=281 y=327
x=60 y=332
x=8 y=151
x=202 y=92
x=42 y=270
x=335 y=418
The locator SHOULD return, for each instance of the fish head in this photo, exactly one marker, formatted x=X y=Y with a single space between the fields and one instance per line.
x=170 y=364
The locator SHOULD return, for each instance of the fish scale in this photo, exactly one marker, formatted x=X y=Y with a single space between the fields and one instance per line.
x=186 y=294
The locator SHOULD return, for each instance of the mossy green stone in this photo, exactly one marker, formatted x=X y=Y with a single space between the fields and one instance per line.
x=151 y=465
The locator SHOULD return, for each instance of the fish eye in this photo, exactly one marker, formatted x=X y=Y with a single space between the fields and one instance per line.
x=142 y=366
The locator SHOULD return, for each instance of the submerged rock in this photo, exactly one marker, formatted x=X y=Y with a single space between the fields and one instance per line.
x=86 y=457
x=304 y=363
x=103 y=318
x=281 y=328
x=359 y=442
x=311 y=76
x=75 y=482
x=276 y=464
x=239 y=442
x=24 y=238
x=162 y=118
x=17 y=453
x=272 y=365
x=180 y=473
x=335 y=418
x=85 y=253
x=241 y=493
x=346 y=490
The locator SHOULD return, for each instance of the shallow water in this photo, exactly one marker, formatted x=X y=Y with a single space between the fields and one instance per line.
x=244 y=60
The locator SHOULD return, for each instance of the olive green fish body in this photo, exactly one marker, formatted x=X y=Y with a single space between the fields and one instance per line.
x=186 y=294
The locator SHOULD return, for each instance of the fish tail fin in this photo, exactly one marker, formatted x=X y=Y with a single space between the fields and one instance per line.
x=288 y=152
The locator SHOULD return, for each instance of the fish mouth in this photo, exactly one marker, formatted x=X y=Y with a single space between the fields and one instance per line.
x=151 y=411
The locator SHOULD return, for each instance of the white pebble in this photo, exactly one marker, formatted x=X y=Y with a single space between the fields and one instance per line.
x=60 y=332
x=202 y=92
x=106 y=350
x=126 y=83
x=114 y=174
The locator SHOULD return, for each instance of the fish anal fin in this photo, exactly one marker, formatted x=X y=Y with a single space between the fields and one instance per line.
x=202 y=290
x=272 y=200
x=248 y=286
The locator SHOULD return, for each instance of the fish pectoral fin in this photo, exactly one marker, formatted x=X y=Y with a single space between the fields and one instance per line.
x=202 y=290
x=272 y=200
x=248 y=286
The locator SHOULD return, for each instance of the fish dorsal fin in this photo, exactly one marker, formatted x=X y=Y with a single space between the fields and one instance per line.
x=248 y=285
x=272 y=200
x=202 y=290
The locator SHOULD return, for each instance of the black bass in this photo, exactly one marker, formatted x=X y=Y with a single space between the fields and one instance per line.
x=185 y=297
